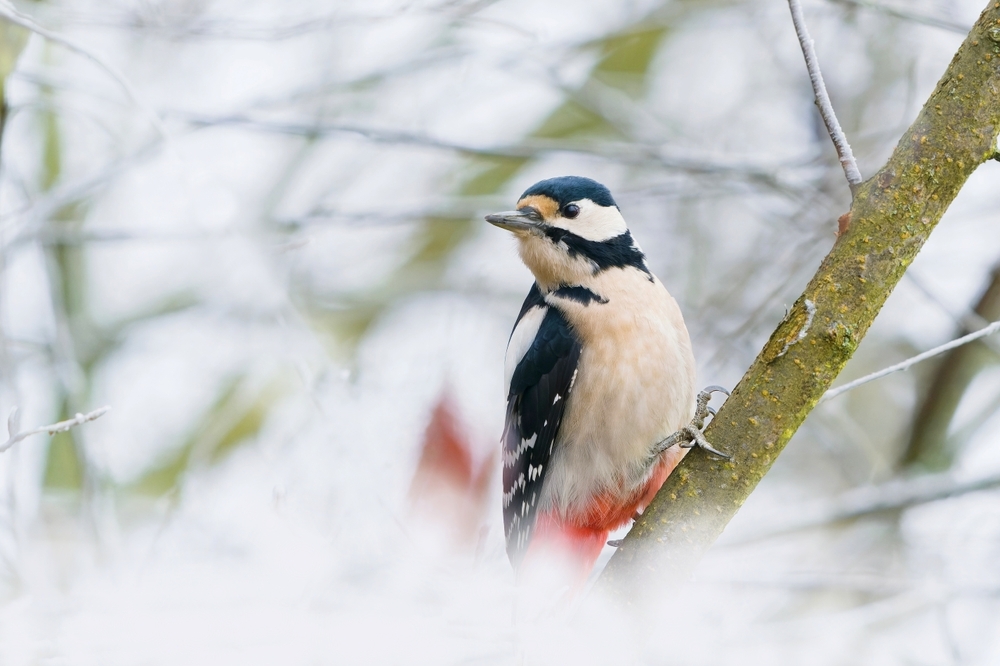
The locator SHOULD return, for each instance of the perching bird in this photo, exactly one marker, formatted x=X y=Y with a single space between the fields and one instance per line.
x=599 y=375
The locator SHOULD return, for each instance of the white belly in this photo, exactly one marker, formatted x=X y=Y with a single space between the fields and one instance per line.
x=635 y=386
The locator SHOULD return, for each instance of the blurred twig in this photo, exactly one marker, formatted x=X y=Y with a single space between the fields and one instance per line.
x=860 y=502
x=639 y=154
x=188 y=25
x=9 y=12
x=313 y=129
x=61 y=426
x=60 y=197
x=905 y=15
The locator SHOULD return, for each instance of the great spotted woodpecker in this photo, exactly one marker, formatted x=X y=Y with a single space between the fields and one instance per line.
x=599 y=374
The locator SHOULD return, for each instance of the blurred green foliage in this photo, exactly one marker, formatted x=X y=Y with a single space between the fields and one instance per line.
x=63 y=469
x=64 y=466
x=235 y=417
x=13 y=39
x=82 y=346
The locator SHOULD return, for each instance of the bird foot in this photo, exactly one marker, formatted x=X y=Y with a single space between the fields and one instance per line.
x=691 y=435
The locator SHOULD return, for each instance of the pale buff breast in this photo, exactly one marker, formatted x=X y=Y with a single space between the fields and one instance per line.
x=634 y=387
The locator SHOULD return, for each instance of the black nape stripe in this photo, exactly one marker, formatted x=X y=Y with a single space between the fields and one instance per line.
x=580 y=294
x=617 y=252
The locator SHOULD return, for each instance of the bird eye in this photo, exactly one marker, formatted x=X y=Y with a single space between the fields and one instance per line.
x=571 y=211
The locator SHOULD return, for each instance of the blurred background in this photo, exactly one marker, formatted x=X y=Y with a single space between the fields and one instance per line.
x=255 y=230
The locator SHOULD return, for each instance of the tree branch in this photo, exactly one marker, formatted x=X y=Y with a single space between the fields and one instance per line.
x=891 y=217
x=844 y=153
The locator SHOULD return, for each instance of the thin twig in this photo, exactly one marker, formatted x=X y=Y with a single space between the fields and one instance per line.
x=904 y=365
x=9 y=12
x=61 y=426
x=930 y=444
x=968 y=322
x=907 y=16
x=823 y=99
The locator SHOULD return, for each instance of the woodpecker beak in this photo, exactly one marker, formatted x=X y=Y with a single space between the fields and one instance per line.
x=525 y=219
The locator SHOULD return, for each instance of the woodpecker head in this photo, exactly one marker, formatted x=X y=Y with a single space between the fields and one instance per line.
x=568 y=230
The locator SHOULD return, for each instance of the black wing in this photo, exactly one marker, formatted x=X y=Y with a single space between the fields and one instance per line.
x=536 y=400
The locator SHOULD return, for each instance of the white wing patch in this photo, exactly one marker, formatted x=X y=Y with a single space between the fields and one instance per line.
x=520 y=341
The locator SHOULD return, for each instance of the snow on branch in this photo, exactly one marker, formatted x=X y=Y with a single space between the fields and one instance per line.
x=61 y=426
x=823 y=99
x=903 y=365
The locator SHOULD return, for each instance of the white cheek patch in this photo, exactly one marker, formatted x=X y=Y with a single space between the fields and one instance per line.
x=520 y=341
x=595 y=223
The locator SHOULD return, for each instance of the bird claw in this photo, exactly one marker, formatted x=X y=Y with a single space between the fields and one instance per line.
x=703 y=410
x=691 y=435
x=614 y=543
x=698 y=439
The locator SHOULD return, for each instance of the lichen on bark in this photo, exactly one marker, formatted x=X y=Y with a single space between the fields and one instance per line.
x=891 y=216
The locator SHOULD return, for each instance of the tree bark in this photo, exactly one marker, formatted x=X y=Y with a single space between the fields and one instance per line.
x=891 y=217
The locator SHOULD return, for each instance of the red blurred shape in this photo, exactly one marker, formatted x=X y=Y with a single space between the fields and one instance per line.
x=448 y=486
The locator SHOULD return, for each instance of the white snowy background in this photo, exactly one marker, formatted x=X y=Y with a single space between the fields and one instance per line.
x=255 y=230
